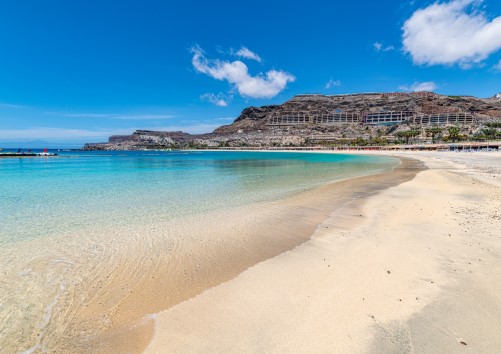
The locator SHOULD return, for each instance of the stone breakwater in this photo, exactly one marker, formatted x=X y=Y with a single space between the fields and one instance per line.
x=253 y=129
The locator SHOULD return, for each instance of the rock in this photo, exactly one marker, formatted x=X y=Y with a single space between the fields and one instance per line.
x=251 y=128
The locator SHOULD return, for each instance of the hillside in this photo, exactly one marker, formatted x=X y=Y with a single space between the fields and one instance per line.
x=375 y=118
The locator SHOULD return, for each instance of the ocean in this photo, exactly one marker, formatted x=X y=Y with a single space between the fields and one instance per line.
x=76 y=228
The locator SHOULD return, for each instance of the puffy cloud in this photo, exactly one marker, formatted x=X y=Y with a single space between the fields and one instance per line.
x=218 y=100
x=420 y=86
x=450 y=33
x=246 y=53
x=236 y=73
x=332 y=83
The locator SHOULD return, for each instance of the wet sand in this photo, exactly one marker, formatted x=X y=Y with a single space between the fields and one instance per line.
x=414 y=268
x=106 y=297
x=251 y=235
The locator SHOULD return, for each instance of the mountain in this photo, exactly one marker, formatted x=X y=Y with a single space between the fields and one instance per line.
x=339 y=119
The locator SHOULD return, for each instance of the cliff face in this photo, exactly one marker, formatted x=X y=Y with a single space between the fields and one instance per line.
x=420 y=102
x=143 y=139
x=252 y=127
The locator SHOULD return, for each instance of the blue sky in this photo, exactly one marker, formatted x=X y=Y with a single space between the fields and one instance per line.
x=77 y=71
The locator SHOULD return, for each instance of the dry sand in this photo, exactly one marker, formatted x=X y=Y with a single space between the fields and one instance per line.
x=221 y=246
x=415 y=268
x=99 y=297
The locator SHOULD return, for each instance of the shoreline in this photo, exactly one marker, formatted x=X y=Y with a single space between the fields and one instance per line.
x=111 y=310
x=324 y=222
x=430 y=251
x=303 y=215
x=348 y=194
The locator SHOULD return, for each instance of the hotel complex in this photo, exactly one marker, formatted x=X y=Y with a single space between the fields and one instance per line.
x=380 y=118
x=373 y=118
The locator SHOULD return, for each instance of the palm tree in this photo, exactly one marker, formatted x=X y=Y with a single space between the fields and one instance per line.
x=408 y=134
x=434 y=131
x=454 y=133
x=490 y=133
x=415 y=132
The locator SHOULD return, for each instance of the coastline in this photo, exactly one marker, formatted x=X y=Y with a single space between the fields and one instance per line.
x=305 y=215
x=250 y=177
x=418 y=271
x=294 y=219
x=104 y=296
x=236 y=290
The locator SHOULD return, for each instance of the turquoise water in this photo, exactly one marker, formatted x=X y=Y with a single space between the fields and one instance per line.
x=85 y=230
x=42 y=197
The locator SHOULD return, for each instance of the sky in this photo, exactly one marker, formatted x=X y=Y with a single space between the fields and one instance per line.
x=79 y=71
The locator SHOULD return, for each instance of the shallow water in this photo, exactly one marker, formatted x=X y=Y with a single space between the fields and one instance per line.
x=44 y=197
x=68 y=223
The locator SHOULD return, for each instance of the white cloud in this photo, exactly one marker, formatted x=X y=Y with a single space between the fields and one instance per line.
x=428 y=86
x=54 y=133
x=246 y=53
x=497 y=67
x=9 y=105
x=454 y=32
x=266 y=85
x=379 y=47
x=332 y=83
x=225 y=119
x=219 y=100
x=117 y=116
x=188 y=127
x=83 y=135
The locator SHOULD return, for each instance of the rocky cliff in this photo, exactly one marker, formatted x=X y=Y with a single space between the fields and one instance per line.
x=420 y=102
x=252 y=127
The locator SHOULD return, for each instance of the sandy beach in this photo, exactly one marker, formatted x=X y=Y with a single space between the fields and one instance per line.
x=250 y=177
x=415 y=267
x=230 y=242
x=96 y=289
x=406 y=260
